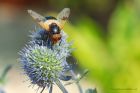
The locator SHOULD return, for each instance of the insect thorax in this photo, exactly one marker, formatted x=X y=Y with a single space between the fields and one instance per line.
x=50 y=17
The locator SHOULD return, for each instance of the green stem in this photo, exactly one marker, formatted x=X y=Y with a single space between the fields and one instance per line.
x=51 y=88
x=75 y=78
x=77 y=83
x=59 y=84
x=42 y=90
x=7 y=68
x=79 y=87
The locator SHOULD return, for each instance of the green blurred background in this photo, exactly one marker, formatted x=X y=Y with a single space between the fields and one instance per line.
x=106 y=36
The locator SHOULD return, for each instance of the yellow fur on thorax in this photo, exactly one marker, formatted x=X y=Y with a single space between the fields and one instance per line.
x=47 y=23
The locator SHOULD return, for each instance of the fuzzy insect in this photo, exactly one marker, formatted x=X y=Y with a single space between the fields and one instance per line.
x=52 y=25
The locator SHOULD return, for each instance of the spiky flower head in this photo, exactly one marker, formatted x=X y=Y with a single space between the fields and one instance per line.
x=42 y=64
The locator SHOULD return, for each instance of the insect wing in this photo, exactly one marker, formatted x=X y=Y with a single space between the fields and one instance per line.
x=36 y=16
x=63 y=16
x=40 y=19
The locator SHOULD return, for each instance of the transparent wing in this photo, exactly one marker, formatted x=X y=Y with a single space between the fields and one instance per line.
x=63 y=16
x=40 y=19
x=36 y=16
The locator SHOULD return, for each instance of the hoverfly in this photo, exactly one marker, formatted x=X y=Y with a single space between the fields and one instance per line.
x=52 y=25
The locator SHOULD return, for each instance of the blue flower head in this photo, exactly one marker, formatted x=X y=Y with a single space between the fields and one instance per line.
x=43 y=64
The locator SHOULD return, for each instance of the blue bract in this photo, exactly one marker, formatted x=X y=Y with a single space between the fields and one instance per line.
x=44 y=64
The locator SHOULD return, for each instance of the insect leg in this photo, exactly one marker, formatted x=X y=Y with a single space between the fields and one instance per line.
x=60 y=42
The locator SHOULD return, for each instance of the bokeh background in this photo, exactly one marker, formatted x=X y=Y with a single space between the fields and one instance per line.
x=106 y=35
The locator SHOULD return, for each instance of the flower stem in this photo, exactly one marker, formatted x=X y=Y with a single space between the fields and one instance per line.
x=79 y=87
x=7 y=68
x=59 y=84
x=77 y=83
x=42 y=90
x=51 y=87
x=74 y=78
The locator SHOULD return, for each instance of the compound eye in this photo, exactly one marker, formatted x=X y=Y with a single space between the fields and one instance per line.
x=54 y=29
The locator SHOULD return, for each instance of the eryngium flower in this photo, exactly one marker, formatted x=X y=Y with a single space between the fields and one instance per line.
x=45 y=65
